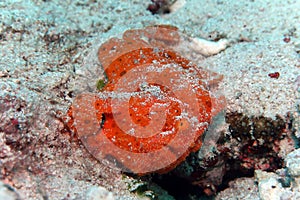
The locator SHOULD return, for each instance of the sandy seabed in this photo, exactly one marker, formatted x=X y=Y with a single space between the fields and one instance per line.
x=43 y=45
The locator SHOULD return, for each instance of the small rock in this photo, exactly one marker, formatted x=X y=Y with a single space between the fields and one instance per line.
x=285 y=185
x=263 y=175
x=7 y=192
x=99 y=193
x=270 y=189
x=241 y=188
x=293 y=163
x=208 y=48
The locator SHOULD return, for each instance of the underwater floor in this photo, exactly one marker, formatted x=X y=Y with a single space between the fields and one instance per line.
x=156 y=99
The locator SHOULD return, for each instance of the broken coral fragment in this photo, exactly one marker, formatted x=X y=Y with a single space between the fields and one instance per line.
x=155 y=106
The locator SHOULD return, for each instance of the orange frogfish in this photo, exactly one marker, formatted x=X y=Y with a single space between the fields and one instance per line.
x=155 y=105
